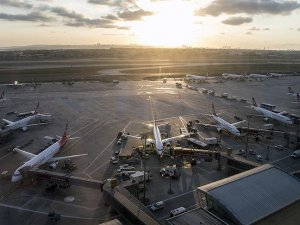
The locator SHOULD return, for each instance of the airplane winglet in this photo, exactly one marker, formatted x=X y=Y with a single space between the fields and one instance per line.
x=291 y=90
x=254 y=102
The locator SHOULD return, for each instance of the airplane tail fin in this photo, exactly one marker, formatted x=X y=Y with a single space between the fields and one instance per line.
x=64 y=138
x=36 y=108
x=291 y=90
x=254 y=102
x=2 y=95
x=298 y=97
x=213 y=109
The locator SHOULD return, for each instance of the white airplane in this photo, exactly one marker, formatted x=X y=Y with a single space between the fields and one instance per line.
x=197 y=77
x=269 y=114
x=159 y=143
x=291 y=92
x=276 y=75
x=45 y=156
x=24 y=123
x=224 y=125
x=2 y=97
x=255 y=75
x=232 y=76
x=15 y=84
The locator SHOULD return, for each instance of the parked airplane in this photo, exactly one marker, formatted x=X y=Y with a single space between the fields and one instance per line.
x=276 y=75
x=159 y=143
x=26 y=122
x=291 y=92
x=223 y=124
x=270 y=114
x=197 y=77
x=15 y=84
x=2 y=97
x=255 y=75
x=45 y=156
x=232 y=76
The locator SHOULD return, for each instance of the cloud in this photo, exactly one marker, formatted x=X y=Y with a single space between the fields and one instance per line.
x=134 y=15
x=254 y=29
x=238 y=20
x=249 y=33
x=266 y=28
x=16 y=4
x=31 y=17
x=298 y=29
x=218 y=7
x=78 y=20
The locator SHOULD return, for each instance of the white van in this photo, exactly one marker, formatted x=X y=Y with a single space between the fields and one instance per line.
x=177 y=211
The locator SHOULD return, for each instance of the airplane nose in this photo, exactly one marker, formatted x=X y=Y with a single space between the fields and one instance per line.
x=16 y=177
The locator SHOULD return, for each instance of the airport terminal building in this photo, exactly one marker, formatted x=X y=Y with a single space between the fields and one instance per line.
x=254 y=196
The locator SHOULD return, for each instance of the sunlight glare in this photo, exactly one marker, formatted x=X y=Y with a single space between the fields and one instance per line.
x=171 y=26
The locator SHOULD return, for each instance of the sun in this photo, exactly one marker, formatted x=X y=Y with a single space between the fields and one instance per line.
x=171 y=26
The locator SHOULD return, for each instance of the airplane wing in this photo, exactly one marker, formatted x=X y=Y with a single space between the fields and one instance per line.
x=238 y=123
x=7 y=121
x=54 y=159
x=172 y=138
x=24 y=153
x=36 y=124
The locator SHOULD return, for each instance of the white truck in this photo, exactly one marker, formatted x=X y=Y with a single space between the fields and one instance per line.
x=210 y=141
x=296 y=154
x=138 y=176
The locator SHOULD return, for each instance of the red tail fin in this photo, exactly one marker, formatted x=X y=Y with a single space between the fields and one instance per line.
x=64 y=138
x=213 y=109
x=254 y=102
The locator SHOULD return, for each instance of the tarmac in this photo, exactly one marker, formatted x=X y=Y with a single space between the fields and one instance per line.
x=97 y=111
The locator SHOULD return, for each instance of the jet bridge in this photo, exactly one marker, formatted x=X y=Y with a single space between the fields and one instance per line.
x=63 y=180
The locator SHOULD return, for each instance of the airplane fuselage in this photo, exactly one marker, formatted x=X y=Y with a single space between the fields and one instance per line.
x=38 y=160
x=23 y=122
x=226 y=126
x=158 y=142
x=273 y=115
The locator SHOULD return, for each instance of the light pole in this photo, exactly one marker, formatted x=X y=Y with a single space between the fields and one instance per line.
x=170 y=179
x=267 y=157
x=247 y=140
x=144 y=161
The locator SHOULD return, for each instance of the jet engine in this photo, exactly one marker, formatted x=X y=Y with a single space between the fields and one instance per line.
x=24 y=128
x=53 y=165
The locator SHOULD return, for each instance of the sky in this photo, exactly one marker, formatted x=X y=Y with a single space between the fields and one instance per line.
x=250 y=24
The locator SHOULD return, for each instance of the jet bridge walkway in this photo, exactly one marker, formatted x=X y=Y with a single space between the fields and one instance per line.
x=64 y=178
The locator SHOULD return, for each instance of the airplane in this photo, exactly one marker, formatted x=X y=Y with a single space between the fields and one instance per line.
x=224 y=125
x=159 y=143
x=197 y=77
x=232 y=76
x=2 y=97
x=276 y=75
x=270 y=114
x=15 y=84
x=255 y=75
x=24 y=123
x=291 y=92
x=45 y=156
